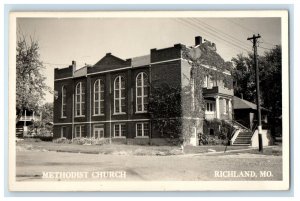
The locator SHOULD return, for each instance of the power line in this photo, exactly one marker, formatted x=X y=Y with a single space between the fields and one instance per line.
x=54 y=64
x=61 y=64
x=264 y=48
x=248 y=29
x=213 y=34
x=267 y=42
x=243 y=27
x=216 y=30
x=216 y=34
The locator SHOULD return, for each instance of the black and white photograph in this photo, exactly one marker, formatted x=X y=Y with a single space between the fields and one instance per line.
x=149 y=101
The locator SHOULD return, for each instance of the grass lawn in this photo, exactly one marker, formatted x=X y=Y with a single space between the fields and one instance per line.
x=139 y=150
x=115 y=149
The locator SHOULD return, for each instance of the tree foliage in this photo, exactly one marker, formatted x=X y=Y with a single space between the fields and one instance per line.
x=271 y=82
x=244 y=77
x=46 y=110
x=269 y=75
x=30 y=83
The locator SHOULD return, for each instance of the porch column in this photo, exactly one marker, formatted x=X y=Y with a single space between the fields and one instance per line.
x=230 y=108
x=217 y=107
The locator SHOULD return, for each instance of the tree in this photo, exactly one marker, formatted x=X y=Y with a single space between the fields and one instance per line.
x=269 y=75
x=270 y=81
x=30 y=83
x=46 y=111
x=244 y=77
x=44 y=126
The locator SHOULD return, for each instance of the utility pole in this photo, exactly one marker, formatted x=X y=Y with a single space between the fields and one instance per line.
x=253 y=39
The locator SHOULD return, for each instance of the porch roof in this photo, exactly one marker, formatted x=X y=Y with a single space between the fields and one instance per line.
x=244 y=104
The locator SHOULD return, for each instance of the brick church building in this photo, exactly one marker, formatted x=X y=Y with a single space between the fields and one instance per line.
x=110 y=99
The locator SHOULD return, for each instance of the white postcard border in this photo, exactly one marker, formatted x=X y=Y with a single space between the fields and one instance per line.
x=150 y=185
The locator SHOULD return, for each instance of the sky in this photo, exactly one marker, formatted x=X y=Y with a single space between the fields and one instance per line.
x=87 y=40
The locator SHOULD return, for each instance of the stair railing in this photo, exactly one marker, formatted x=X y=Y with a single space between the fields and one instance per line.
x=240 y=125
x=254 y=127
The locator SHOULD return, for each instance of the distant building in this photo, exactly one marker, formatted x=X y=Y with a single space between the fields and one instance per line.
x=245 y=113
x=110 y=98
x=26 y=119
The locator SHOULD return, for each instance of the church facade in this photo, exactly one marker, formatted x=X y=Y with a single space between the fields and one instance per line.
x=110 y=99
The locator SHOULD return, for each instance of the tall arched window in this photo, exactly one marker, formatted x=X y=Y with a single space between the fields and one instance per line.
x=63 y=102
x=80 y=99
x=141 y=92
x=98 y=97
x=119 y=95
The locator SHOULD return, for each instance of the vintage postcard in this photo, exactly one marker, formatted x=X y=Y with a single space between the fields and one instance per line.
x=149 y=101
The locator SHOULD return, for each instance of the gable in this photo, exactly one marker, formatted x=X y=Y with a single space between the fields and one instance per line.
x=110 y=59
x=109 y=62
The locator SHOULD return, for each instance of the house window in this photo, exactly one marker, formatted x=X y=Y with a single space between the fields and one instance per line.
x=142 y=129
x=119 y=95
x=210 y=107
x=80 y=131
x=225 y=106
x=141 y=92
x=210 y=82
x=63 y=102
x=63 y=131
x=98 y=131
x=80 y=99
x=205 y=82
x=120 y=130
x=98 y=97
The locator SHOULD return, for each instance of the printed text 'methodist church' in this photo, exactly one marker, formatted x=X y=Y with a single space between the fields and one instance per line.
x=110 y=99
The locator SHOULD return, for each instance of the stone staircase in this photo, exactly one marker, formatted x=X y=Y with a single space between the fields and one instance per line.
x=243 y=138
x=242 y=135
x=19 y=132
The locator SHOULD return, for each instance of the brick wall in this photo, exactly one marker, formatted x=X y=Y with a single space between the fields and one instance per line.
x=166 y=67
x=166 y=53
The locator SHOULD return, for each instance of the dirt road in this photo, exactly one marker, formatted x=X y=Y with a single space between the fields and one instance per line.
x=32 y=164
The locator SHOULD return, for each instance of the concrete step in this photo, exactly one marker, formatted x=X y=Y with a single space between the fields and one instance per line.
x=243 y=138
x=243 y=141
x=248 y=134
x=238 y=142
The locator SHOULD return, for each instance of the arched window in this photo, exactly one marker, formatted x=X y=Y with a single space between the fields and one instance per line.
x=63 y=102
x=119 y=95
x=80 y=99
x=141 y=92
x=98 y=97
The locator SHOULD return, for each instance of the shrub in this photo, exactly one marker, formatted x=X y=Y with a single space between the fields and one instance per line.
x=45 y=138
x=222 y=132
x=38 y=138
x=82 y=141
x=62 y=140
x=31 y=139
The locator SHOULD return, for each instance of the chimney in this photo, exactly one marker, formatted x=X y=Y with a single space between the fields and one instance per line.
x=214 y=46
x=74 y=66
x=198 y=40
